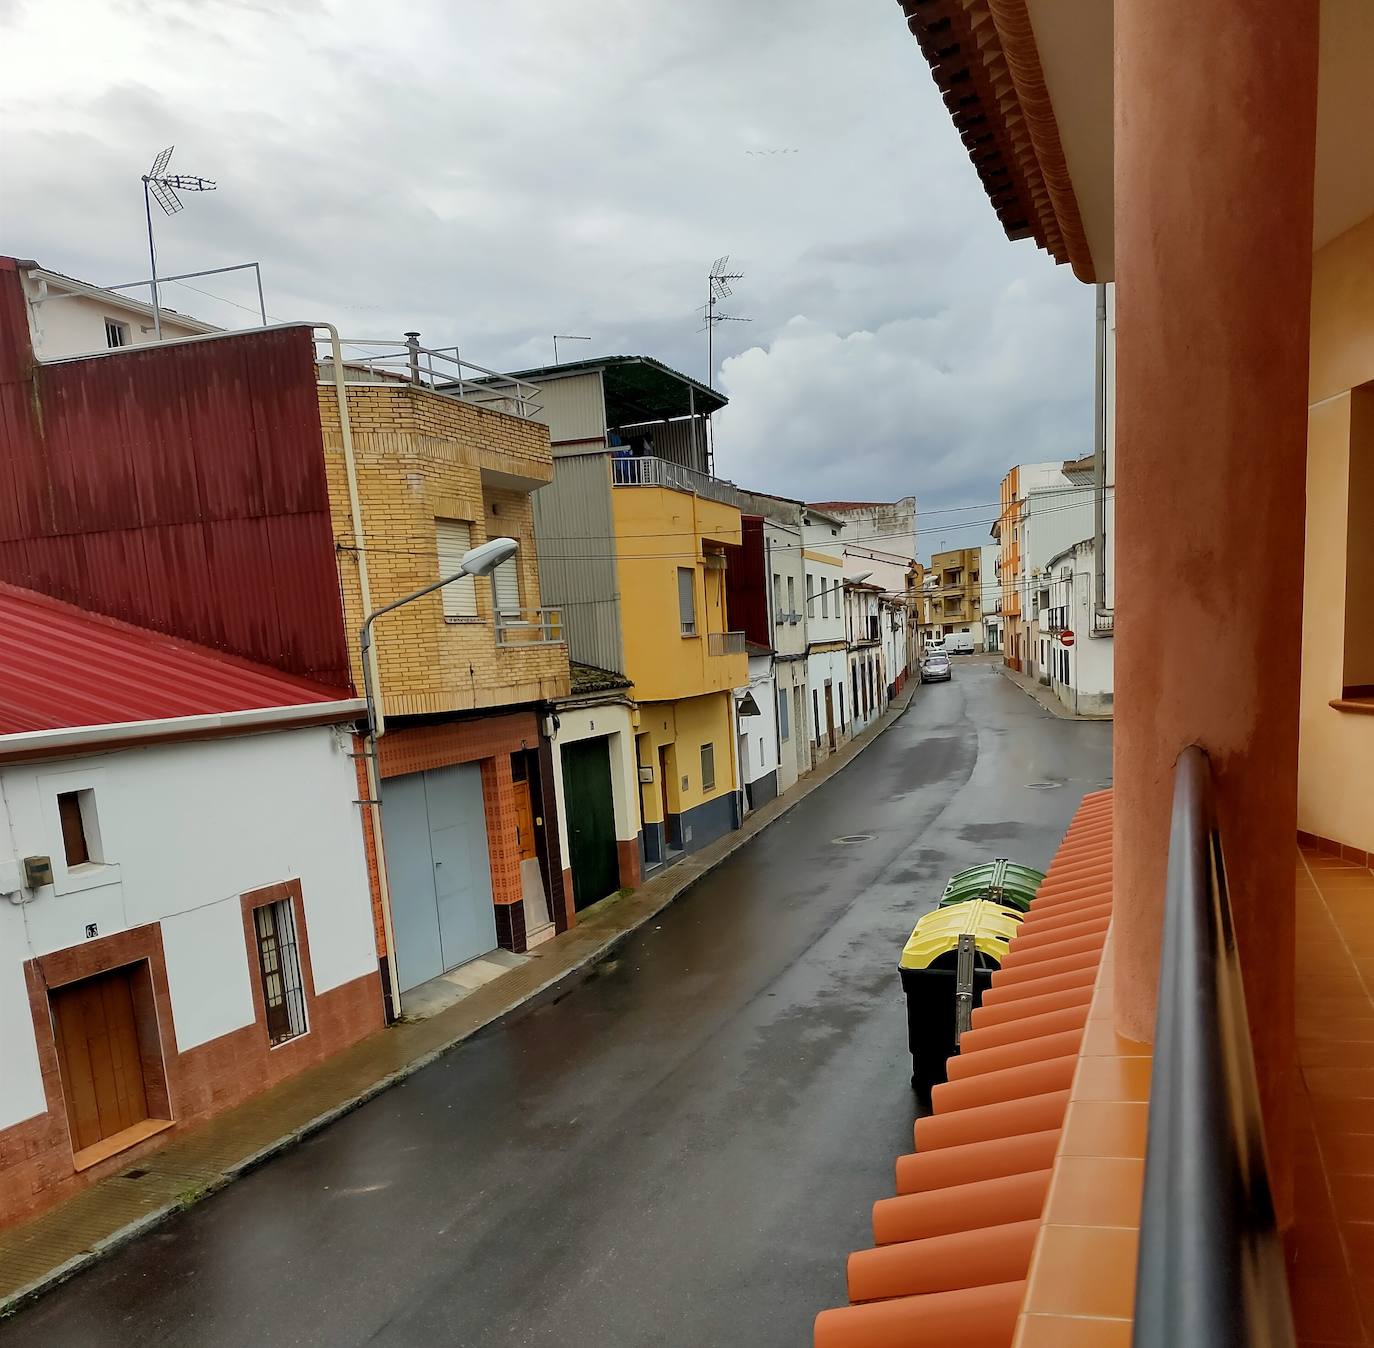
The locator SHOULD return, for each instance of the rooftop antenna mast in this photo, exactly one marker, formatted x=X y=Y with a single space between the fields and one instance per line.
x=717 y=288
x=162 y=187
x=565 y=337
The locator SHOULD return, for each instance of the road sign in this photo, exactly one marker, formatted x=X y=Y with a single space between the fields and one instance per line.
x=1066 y=638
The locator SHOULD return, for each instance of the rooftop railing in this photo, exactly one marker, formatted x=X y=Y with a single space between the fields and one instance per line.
x=441 y=369
x=1211 y=1265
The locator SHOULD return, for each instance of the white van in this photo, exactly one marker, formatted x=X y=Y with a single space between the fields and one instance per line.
x=959 y=643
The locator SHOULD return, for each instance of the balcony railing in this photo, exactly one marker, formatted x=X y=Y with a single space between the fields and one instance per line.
x=529 y=627
x=725 y=643
x=1211 y=1265
x=1103 y=622
x=650 y=472
x=439 y=369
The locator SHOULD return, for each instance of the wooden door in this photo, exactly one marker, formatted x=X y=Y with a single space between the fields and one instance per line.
x=524 y=821
x=830 y=713
x=99 y=1057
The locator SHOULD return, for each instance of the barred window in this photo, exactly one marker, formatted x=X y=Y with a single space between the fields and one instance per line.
x=279 y=969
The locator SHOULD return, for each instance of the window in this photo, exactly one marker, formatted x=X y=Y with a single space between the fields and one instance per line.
x=708 y=767
x=810 y=596
x=505 y=587
x=279 y=971
x=784 y=728
x=797 y=711
x=791 y=598
x=75 y=845
x=825 y=599
x=777 y=598
x=116 y=333
x=452 y=539
x=816 y=713
x=687 y=600
x=840 y=690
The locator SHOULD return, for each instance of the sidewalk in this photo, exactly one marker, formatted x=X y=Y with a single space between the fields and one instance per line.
x=1045 y=697
x=40 y=1254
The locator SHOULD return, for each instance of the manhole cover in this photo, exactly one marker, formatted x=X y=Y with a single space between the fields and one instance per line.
x=849 y=839
x=1043 y=786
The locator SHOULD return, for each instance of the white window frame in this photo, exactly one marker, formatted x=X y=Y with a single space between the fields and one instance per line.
x=784 y=716
x=123 y=329
x=708 y=766
x=90 y=784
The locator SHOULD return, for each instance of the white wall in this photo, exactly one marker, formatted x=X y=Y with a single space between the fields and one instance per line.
x=820 y=666
x=762 y=730
x=1088 y=688
x=782 y=550
x=613 y=720
x=75 y=324
x=185 y=830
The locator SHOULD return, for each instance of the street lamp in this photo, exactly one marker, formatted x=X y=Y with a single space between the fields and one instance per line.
x=479 y=561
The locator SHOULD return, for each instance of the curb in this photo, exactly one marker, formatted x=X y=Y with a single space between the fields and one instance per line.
x=130 y=1231
x=1055 y=707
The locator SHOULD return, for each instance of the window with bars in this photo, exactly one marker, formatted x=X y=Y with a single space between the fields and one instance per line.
x=279 y=970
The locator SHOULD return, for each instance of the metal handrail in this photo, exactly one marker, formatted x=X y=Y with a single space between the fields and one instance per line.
x=1211 y=1268
x=725 y=643
x=529 y=627
x=441 y=370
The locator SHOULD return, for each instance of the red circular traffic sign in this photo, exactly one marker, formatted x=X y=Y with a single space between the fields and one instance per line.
x=1066 y=638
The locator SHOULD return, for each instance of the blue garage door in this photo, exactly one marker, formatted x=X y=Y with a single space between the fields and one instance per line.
x=440 y=875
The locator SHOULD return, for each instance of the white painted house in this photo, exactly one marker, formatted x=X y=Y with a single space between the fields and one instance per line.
x=68 y=317
x=184 y=908
x=827 y=650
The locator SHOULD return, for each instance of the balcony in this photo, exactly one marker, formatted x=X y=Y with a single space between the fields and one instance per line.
x=530 y=627
x=725 y=643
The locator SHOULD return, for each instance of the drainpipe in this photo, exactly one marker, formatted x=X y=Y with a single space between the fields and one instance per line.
x=369 y=672
x=1100 y=456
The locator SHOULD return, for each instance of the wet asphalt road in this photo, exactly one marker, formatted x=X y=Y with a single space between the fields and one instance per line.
x=679 y=1150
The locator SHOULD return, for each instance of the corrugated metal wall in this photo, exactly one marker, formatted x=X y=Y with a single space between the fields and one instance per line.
x=574 y=408
x=575 y=531
x=178 y=487
x=672 y=440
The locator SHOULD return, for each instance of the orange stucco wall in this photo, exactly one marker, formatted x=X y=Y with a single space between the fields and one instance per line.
x=1215 y=126
x=1336 y=755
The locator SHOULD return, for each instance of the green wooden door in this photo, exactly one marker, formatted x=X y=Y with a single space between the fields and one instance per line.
x=591 y=820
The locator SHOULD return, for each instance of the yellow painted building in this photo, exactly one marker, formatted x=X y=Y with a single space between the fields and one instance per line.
x=683 y=659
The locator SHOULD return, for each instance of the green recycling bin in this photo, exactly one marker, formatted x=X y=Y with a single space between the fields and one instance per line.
x=946 y=966
x=1002 y=881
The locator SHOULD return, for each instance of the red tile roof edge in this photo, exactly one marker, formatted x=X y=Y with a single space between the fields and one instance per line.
x=952 y=1250
x=95 y=670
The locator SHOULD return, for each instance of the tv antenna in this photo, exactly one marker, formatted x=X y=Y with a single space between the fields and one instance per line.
x=162 y=187
x=717 y=289
x=565 y=337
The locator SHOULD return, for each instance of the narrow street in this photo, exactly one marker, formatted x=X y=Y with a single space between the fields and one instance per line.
x=678 y=1150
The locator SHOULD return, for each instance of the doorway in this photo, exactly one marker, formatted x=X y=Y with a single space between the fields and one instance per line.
x=440 y=871
x=830 y=714
x=587 y=793
x=101 y=1059
x=665 y=767
x=531 y=844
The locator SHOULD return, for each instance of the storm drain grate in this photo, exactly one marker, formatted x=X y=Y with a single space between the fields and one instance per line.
x=850 y=839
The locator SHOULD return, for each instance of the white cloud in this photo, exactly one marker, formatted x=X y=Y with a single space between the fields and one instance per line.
x=494 y=171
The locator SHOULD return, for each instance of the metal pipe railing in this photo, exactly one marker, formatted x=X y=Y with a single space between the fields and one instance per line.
x=1210 y=1271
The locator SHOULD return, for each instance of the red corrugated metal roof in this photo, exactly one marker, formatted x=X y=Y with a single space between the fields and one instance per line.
x=952 y=1250
x=63 y=666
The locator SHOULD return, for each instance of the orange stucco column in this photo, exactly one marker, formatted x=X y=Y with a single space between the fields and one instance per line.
x=1214 y=132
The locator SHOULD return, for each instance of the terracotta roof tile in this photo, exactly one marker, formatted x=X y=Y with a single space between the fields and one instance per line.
x=952 y=1250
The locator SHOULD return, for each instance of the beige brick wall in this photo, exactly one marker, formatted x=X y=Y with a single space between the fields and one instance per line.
x=421 y=456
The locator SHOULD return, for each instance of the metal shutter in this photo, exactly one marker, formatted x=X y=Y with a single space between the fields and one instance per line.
x=453 y=538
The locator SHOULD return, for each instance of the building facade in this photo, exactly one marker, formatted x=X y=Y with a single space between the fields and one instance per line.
x=185 y=917
x=827 y=650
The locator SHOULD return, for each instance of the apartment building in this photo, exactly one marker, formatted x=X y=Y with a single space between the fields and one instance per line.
x=827 y=650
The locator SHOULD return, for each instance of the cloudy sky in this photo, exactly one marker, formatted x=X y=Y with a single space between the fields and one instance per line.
x=493 y=171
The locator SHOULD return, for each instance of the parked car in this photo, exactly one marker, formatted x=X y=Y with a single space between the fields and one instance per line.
x=935 y=668
x=959 y=643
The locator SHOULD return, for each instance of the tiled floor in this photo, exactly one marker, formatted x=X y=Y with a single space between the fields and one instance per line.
x=1331 y=1245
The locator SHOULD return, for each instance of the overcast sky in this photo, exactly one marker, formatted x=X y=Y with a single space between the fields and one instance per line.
x=493 y=171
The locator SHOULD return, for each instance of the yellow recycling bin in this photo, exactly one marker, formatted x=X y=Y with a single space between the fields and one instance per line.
x=946 y=965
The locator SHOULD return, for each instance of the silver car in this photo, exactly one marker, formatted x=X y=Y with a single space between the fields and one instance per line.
x=935 y=669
